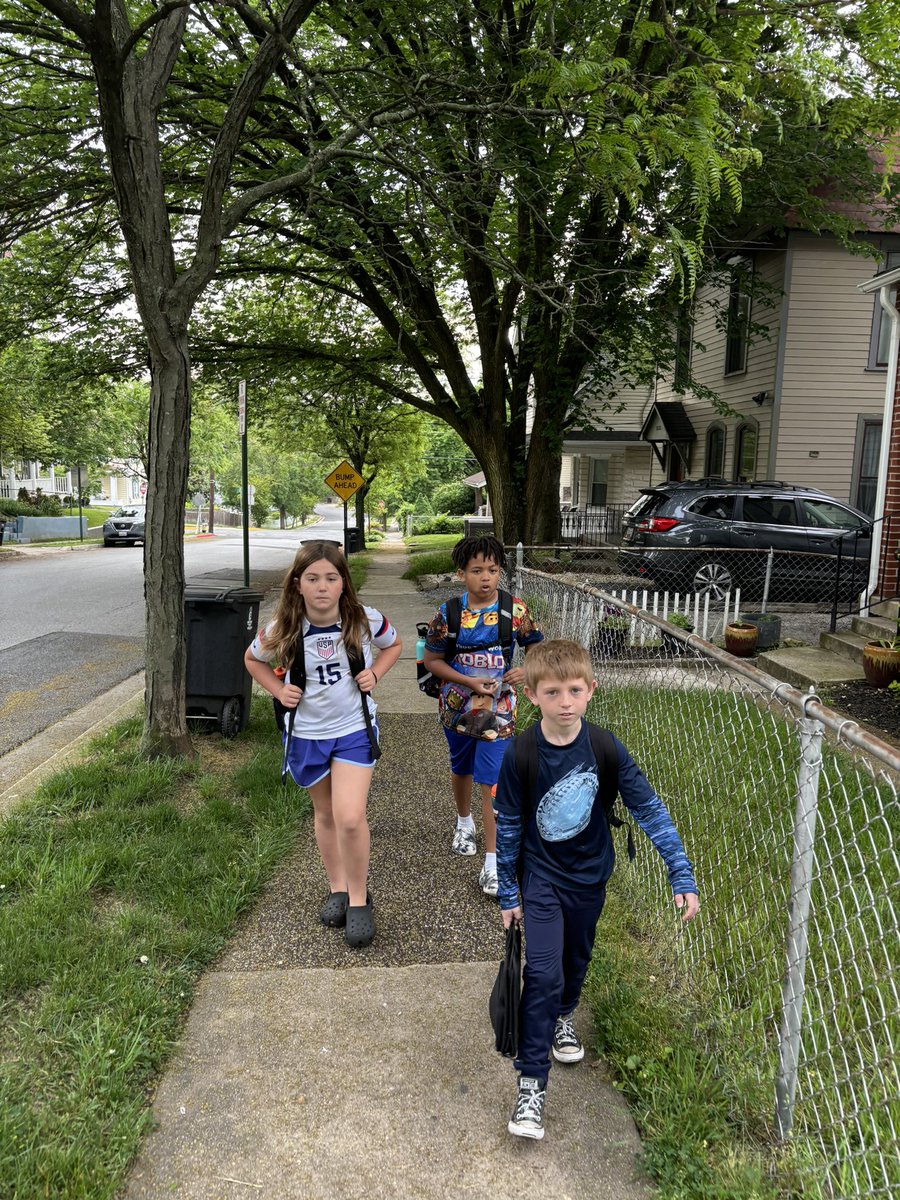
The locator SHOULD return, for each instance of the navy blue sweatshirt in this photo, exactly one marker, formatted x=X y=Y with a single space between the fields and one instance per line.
x=564 y=834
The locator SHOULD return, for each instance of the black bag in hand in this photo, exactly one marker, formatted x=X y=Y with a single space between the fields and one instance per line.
x=503 y=1005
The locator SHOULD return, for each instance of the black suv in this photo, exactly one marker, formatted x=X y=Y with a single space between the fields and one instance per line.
x=709 y=536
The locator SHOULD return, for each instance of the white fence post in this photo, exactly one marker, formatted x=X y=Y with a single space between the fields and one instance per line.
x=793 y=987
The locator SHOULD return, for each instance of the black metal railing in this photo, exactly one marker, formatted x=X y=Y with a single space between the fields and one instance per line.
x=592 y=527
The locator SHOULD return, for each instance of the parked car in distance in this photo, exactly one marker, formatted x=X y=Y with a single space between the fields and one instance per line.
x=125 y=526
x=711 y=536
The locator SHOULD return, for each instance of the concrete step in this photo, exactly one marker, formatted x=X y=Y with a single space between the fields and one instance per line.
x=805 y=666
x=873 y=629
x=886 y=608
x=846 y=644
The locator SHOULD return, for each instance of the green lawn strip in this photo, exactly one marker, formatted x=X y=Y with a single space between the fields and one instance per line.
x=120 y=881
x=430 y=562
x=727 y=771
x=359 y=568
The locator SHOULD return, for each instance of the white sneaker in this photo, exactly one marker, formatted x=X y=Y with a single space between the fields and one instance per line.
x=528 y=1116
x=464 y=842
x=487 y=881
x=567 y=1047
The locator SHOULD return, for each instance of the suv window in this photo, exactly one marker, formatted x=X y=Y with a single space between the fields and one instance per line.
x=721 y=507
x=770 y=510
x=822 y=514
x=647 y=504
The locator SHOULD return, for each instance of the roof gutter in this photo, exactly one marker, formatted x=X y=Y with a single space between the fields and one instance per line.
x=883 y=284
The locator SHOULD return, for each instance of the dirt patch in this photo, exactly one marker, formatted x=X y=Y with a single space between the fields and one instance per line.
x=878 y=708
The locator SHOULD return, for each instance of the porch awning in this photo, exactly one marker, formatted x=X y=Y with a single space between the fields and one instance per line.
x=475 y=481
x=667 y=423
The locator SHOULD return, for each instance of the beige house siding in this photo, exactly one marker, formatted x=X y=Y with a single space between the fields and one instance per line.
x=736 y=390
x=825 y=383
x=626 y=463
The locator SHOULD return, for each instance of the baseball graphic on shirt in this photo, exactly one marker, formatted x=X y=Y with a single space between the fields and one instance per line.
x=566 y=809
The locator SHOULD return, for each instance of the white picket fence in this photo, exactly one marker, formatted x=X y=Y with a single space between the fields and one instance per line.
x=695 y=607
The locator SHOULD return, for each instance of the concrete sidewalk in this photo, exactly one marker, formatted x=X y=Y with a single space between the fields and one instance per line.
x=311 y=1071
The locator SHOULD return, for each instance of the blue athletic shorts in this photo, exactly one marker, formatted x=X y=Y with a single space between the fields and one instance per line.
x=309 y=760
x=475 y=757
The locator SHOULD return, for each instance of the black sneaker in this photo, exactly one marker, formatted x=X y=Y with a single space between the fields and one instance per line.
x=567 y=1047
x=528 y=1115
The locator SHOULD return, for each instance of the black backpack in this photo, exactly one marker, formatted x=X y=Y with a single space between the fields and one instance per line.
x=297 y=670
x=604 y=748
x=428 y=683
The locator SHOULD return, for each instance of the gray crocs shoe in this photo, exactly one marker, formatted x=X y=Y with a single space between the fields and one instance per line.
x=360 y=927
x=334 y=910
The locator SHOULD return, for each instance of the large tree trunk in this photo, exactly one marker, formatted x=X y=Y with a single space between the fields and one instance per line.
x=165 y=726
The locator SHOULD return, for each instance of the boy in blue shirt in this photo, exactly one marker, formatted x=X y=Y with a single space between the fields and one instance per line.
x=477 y=703
x=562 y=832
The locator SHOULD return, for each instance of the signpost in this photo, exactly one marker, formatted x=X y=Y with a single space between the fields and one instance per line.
x=245 y=503
x=345 y=482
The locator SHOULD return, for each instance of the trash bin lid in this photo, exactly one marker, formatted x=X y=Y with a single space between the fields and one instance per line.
x=220 y=593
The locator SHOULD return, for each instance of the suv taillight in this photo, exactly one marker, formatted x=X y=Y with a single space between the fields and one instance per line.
x=657 y=524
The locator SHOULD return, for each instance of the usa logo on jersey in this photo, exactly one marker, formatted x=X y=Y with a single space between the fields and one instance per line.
x=324 y=647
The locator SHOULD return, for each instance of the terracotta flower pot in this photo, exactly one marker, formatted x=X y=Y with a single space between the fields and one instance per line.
x=741 y=639
x=881 y=664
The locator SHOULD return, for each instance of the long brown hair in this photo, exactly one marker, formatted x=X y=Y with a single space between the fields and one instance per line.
x=281 y=639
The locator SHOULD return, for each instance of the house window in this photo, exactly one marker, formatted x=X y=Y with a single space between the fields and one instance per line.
x=745 y=453
x=684 y=340
x=737 y=324
x=715 y=450
x=599 y=474
x=865 y=464
x=880 y=343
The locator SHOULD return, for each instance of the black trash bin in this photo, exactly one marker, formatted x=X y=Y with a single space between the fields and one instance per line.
x=220 y=623
x=352 y=542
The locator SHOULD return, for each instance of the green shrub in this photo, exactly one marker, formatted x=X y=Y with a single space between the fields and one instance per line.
x=453 y=498
x=32 y=504
x=442 y=523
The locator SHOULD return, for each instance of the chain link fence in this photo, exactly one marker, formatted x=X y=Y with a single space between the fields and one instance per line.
x=791 y=816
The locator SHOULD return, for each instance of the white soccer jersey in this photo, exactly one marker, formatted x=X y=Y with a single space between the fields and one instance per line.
x=332 y=703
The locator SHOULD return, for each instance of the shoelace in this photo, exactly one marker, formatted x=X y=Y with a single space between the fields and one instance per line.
x=565 y=1030
x=529 y=1104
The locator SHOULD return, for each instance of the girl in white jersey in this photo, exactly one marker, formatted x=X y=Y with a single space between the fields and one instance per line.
x=330 y=752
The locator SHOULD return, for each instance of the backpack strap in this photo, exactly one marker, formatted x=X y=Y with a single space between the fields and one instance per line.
x=505 y=625
x=608 y=773
x=358 y=664
x=454 y=621
x=296 y=672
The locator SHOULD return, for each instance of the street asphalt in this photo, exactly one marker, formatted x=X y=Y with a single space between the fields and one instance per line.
x=307 y=1070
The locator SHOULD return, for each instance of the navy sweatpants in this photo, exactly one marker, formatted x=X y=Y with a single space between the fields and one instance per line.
x=559 y=938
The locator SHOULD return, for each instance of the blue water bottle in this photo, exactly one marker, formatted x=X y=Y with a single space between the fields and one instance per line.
x=420 y=653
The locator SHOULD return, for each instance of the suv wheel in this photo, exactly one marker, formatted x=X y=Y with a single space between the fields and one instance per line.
x=713 y=578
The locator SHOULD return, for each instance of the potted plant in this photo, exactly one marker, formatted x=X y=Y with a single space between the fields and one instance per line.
x=769 y=626
x=881 y=660
x=612 y=635
x=674 y=645
x=741 y=638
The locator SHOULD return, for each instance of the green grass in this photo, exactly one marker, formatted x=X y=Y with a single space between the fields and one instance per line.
x=694 y=1044
x=120 y=881
x=421 y=543
x=430 y=562
x=359 y=568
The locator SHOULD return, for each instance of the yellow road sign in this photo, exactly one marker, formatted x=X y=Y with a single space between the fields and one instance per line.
x=344 y=481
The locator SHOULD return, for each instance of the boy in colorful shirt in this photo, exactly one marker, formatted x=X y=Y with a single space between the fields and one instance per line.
x=561 y=835
x=477 y=703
